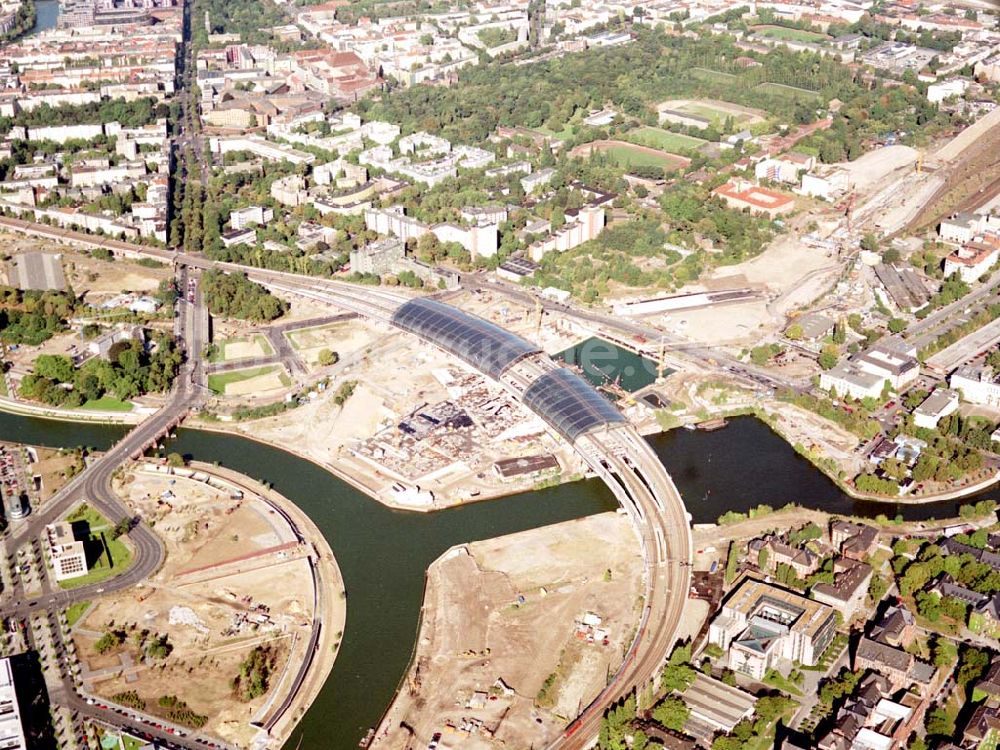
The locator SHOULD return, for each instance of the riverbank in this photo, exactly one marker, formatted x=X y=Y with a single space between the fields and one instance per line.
x=329 y=610
x=516 y=633
x=245 y=569
x=835 y=469
x=13 y=406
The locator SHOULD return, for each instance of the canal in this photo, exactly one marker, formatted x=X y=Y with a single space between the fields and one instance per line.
x=383 y=553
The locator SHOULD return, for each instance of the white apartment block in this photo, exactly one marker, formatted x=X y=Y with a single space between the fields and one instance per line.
x=583 y=227
x=250 y=216
x=978 y=384
x=394 y=221
x=11 y=729
x=481 y=240
x=972 y=260
x=290 y=191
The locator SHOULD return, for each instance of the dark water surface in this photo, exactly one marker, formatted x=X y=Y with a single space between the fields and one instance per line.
x=383 y=553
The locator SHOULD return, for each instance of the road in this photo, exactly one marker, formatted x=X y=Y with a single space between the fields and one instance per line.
x=621 y=457
x=93 y=485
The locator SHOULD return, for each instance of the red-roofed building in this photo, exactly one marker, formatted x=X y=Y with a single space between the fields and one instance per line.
x=740 y=194
x=337 y=74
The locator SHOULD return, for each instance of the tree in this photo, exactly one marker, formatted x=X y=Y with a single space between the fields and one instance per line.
x=794 y=332
x=828 y=357
x=972 y=665
x=869 y=242
x=672 y=713
x=877 y=588
x=111 y=639
x=327 y=357
x=678 y=673
x=897 y=325
x=176 y=460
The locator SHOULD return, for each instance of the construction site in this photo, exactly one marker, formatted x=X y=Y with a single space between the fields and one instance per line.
x=246 y=575
x=518 y=633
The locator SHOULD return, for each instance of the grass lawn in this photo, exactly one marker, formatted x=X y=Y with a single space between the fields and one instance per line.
x=717 y=116
x=792 y=35
x=636 y=158
x=107 y=403
x=131 y=743
x=219 y=353
x=664 y=139
x=106 y=557
x=3 y=386
x=790 y=92
x=780 y=682
x=217 y=383
x=562 y=135
x=706 y=74
x=75 y=611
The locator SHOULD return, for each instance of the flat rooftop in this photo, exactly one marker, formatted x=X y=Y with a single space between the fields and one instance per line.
x=40 y=271
x=717 y=704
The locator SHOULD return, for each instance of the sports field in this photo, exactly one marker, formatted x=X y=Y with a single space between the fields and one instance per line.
x=792 y=35
x=791 y=92
x=714 y=110
x=664 y=139
x=633 y=155
x=241 y=348
x=706 y=74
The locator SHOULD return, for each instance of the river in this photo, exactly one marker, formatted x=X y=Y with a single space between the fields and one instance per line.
x=383 y=553
x=46 y=15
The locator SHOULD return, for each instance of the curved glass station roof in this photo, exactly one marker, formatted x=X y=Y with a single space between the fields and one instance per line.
x=485 y=346
x=569 y=403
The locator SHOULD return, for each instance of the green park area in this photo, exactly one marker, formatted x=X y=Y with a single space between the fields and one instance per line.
x=107 y=555
x=75 y=611
x=106 y=403
x=787 y=34
x=248 y=347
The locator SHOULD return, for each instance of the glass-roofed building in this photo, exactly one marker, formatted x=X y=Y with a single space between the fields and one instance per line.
x=561 y=397
x=485 y=346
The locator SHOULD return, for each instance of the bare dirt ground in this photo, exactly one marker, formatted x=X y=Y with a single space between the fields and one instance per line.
x=234 y=578
x=372 y=358
x=96 y=279
x=790 y=273
x=262 y=385
x=343 y=338
x=256 y=346
x=475 y=632
x=868 y=172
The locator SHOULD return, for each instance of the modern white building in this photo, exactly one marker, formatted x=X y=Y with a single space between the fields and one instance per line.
x=66 y=555
x=935 y=407
x=250 y=216
x=762 y=627
x=972 y=260
x=11 y=729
